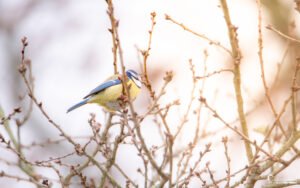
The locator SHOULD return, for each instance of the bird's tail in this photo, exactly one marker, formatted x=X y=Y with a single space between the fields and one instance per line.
x=77 y=105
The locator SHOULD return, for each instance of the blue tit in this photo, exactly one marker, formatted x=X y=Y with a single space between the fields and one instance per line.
x=108 y=93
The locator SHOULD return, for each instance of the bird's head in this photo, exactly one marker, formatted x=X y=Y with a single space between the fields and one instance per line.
x=135 y=77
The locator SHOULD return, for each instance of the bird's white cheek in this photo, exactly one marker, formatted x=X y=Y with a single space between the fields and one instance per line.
x=137 y=82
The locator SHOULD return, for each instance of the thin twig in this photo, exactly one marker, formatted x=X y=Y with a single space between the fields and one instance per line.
x=282 y=34
x=167 y=17
x=146 y=54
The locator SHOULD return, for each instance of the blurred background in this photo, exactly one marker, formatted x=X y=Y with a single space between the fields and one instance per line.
x=70 y=49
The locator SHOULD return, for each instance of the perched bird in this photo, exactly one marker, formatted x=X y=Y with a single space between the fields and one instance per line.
x=108 y=93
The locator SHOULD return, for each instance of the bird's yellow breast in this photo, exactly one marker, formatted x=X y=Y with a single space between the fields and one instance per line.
x=108 y=98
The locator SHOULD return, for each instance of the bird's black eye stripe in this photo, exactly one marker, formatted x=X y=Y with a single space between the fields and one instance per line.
x=137 y=82
x=135 y=77
x=133 y=74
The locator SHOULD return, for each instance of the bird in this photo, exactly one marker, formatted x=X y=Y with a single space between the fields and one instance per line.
x=108 y=93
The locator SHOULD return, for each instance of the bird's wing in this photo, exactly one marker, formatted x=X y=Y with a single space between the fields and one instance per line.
x=110 y=82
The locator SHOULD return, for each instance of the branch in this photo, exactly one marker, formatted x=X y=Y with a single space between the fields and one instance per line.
x=146 y=54
x=282 y=34
x=236 y=54
x=167 y=17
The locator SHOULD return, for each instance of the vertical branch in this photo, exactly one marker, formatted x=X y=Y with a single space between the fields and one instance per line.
x=146 y=53
x=30 y=108
x=146 y=174
x=236 y=54
x=170 y=144
x=198 y=113
x=113 y=31
x=261 y=61
x=192 y=97
x=228 y=171
x=116 y=44
x=295 y=88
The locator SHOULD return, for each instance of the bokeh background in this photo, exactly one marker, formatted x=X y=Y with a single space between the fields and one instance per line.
x=70 y=50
